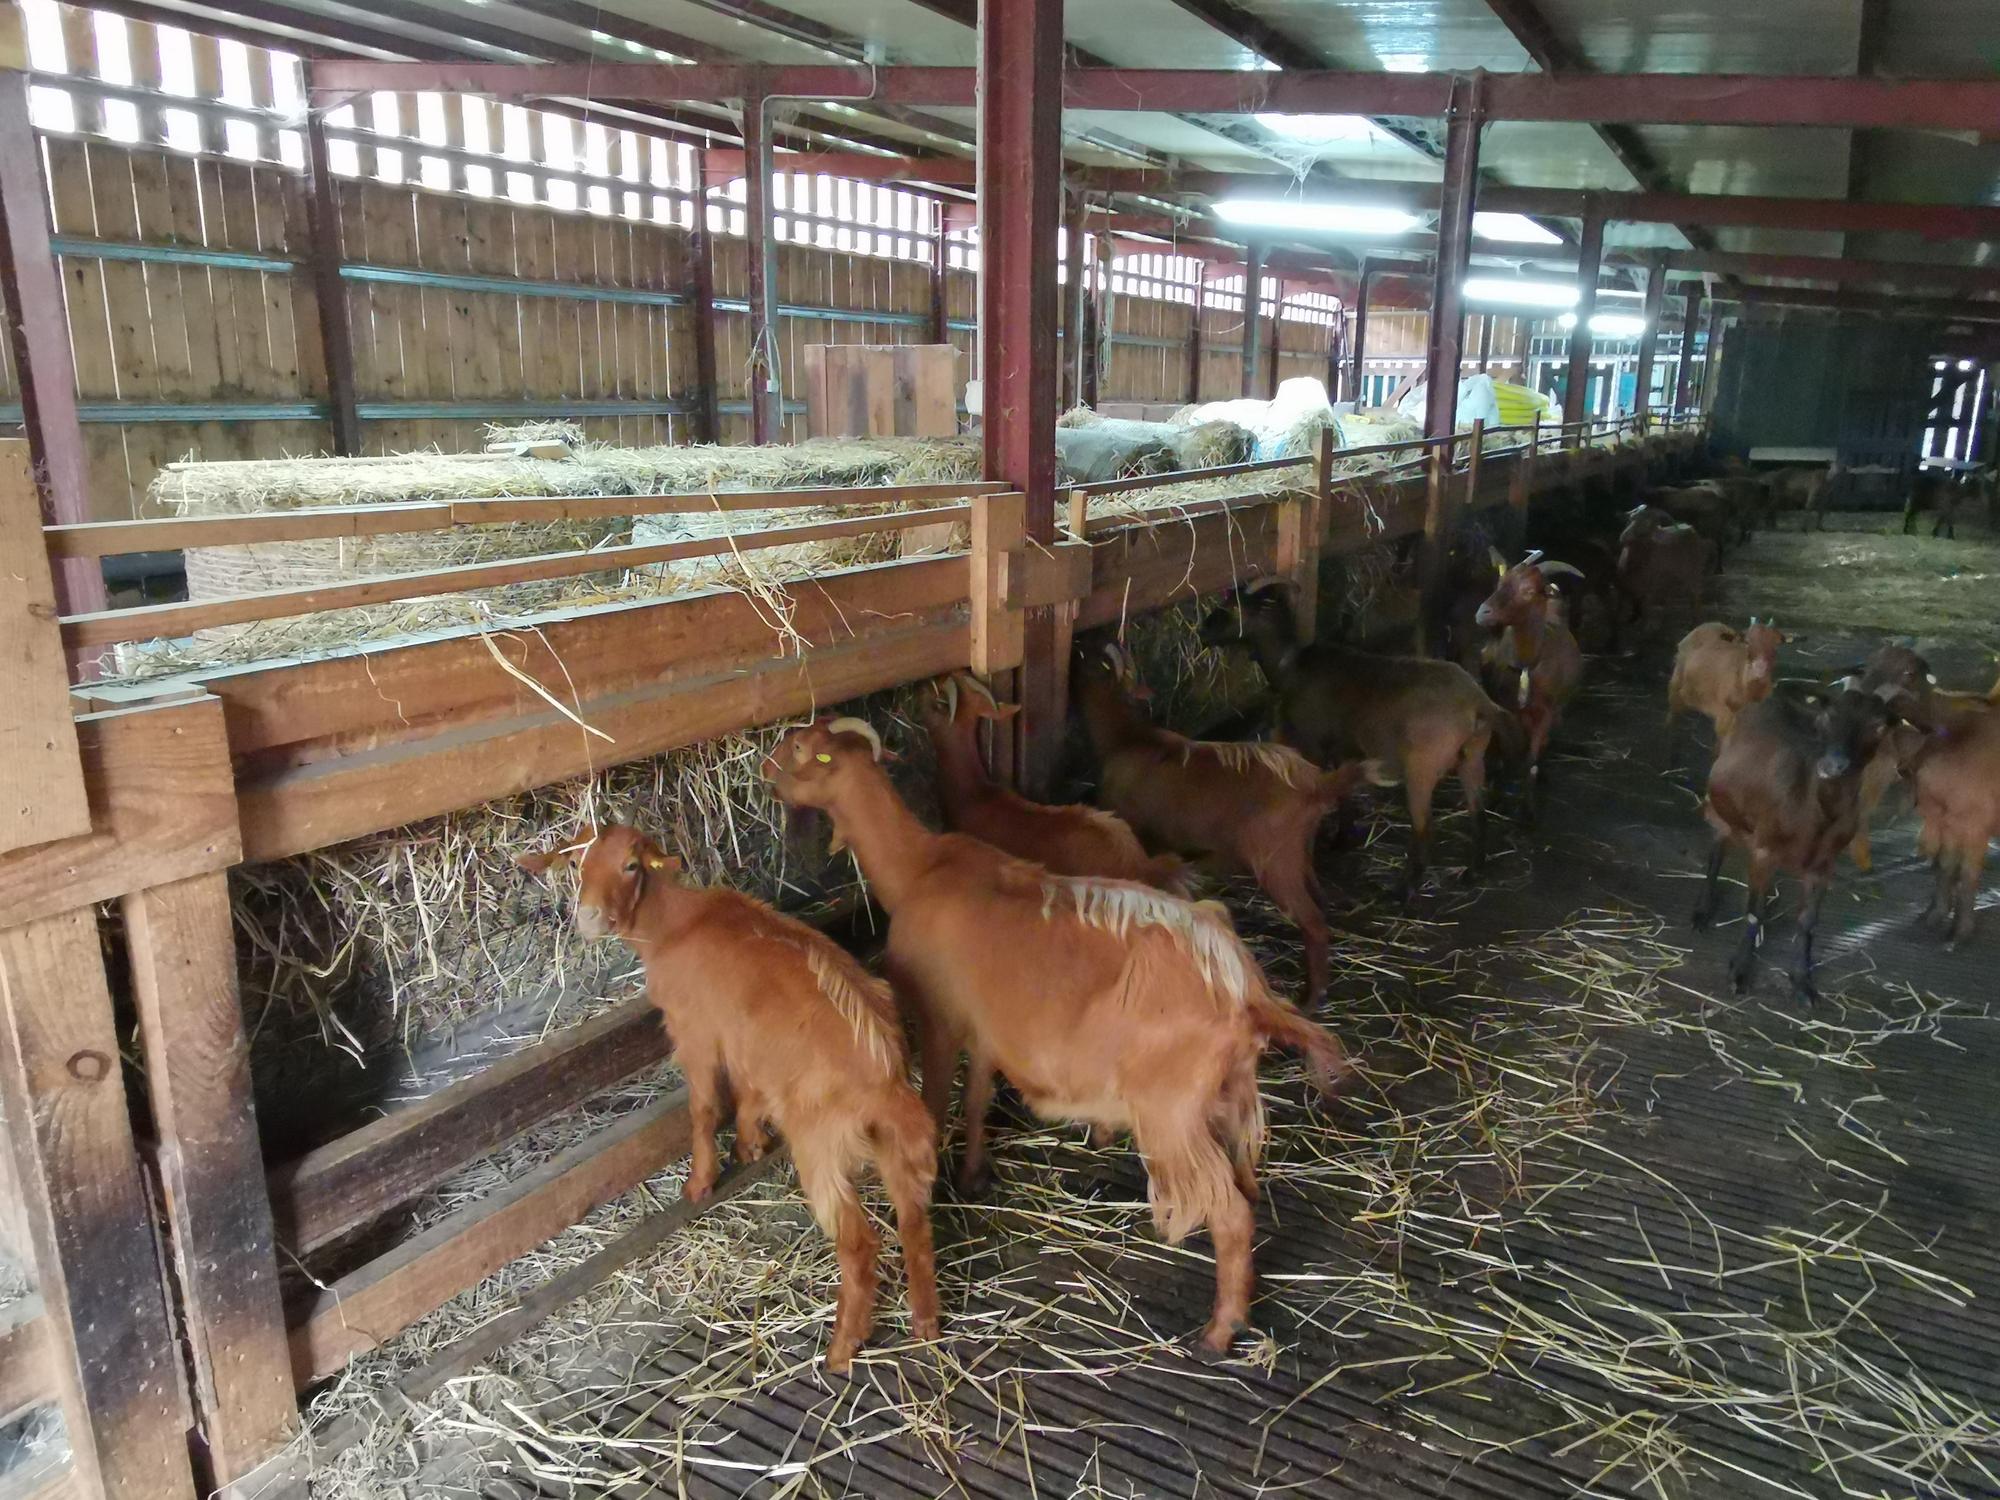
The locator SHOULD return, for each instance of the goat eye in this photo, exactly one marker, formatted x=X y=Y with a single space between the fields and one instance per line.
x=632 y=867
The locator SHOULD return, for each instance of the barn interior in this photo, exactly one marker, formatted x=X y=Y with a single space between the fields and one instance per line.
x=435 y=433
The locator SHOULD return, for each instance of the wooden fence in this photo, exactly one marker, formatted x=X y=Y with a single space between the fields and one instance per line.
x=151 y=1331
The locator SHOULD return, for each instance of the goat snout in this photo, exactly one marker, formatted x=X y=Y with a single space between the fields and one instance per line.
x=1833 y=764
x=591 y=921
x=1486 y=618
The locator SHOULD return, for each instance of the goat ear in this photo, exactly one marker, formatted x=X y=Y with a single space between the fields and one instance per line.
x=1499 y=562
x=545 y=860
x=1005 y=711
x=657 y=862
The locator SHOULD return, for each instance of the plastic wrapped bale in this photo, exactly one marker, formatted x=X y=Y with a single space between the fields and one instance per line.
x=1287 y=426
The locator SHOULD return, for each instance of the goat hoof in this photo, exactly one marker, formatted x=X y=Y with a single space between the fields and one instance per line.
x=840 y=1355
x=1740 y=975
x=1220 y=1336
x=698 y=1188
x=1701 y=918
x=975 y=1183
x=1804 y=991
x=748 y=1151
x=926 y=1330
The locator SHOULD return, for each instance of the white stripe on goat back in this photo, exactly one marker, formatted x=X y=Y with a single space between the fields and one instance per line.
x=1239 y=756
x=866 y=1005
x=1200 y=929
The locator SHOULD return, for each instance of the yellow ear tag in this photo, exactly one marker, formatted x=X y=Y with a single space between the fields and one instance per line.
x=823 y=758
x=656 y=861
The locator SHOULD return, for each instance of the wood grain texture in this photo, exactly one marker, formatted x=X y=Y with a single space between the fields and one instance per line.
x=183 y=952
x=163 y=806
x=116 y=1371
x=309 y=709
x=41 y=775
x=367 y=792
x=348 y=1182
x=26 y=1377
x=389 y=1293
x=999 y=526
x=108 y=627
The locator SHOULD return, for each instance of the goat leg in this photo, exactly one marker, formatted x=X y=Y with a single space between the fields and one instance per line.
x=1472 y=780
x=1743 y=967
x=1704 y=908
x=1803 y=988
x=1232 y=1228
x=1971 y=863
x=704 y=1118
x=974 y=1176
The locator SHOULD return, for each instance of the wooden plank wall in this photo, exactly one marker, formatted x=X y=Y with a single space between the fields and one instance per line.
x=432 y=344
x=1145 y=372
x=1221 y=354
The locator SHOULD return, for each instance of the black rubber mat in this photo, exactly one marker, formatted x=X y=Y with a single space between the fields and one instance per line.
x=1595 y=1225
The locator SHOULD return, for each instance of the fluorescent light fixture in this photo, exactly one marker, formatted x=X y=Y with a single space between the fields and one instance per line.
x=1514 y=229
x=1621 y=291
x=1291 y=213
x=1607 y=325
x=1515 y=293
x=1404 y=62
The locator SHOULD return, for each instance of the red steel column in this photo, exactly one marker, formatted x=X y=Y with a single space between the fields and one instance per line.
x=1020 y=203
x=1336 y=356
x=1485 y=342
x=1200 y=310
x=701 y=301
x=1359 y=352
x=1590 y=252
x=1073 y=320
x=1253 y=316
x=33 y=290
x=766 y=388
x=1443 y=350
x=1649 y=341
x=1690 y=326
x=940 y=330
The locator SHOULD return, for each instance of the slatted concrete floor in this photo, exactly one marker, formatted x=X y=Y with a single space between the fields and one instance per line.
x=1595 y=1226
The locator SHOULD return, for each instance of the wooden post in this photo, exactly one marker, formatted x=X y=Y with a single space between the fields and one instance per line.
x=41 y=776
x=940 y=330
x=336 y=335
x=1434 y=550
x=1298 y=556
x=1521 y=486
x=183 y=951
x=701 y=302
x=1475 y=457
x=999 y=526
x=63 y=1091
x=33 y=291
x=1357 y=352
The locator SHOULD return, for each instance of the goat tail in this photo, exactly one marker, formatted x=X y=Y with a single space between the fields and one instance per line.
x=903 y=1139
x=1335 y=786
x=1278 y=1025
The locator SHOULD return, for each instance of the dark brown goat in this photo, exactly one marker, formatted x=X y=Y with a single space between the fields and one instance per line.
x=1661 y=565
x=1533 y=654
x=1072 y=840
x=1420 y=717
x=1101 y=1000
x=1786 y=788
x=1257 y=806
x=803 y=1037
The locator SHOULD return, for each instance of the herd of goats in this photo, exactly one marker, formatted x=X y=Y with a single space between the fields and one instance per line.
x=1059 y=945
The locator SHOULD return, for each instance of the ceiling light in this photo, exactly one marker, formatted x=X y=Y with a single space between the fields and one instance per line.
x=1620 y=291
x=1520 y=293
x=1404 y=62
x=1607 y=325
x=1291 y=213
x=1515 y=229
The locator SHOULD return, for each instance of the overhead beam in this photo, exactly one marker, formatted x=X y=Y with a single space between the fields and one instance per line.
x=1608 y=98
x=1894 y=275
x=1929 y=309
x=725 y=163
x=1552 y=53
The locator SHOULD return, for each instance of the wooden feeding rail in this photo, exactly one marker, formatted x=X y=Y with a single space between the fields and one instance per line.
x=185 y=778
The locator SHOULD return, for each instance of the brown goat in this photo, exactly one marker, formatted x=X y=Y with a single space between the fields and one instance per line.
x=1101 y=1000
x=1955 y=781
x=1786 y=787
x=1423 y=718
x=1719 y=672
x=1258 y=806
x=1534 y=652
x=1072 y=840
x=1934 y=712
x=1662 y=566
x=803 y=1037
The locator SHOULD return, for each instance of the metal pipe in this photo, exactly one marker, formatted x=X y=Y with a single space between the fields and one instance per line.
x=1690 y=327
x=766 y=389
x=32 y=288
x=1444 y=345
x=1253 y=316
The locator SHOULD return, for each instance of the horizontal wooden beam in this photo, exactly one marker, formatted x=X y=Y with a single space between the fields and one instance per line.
x=367 y=792
x=283 y=714
x=163 y=807
x=1590 y=99
x=113 y=538
x=161 y=621
x=361 y=1176
x=377 y=1301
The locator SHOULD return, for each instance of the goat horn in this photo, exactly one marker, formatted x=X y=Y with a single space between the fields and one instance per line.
x=1262 y=585
x=861 y=727
x=1553 y=566
x=974 y=685
x=951 y=699
x=1532 y=558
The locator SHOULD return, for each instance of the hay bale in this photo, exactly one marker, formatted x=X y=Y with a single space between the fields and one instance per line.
x=1288 y=426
